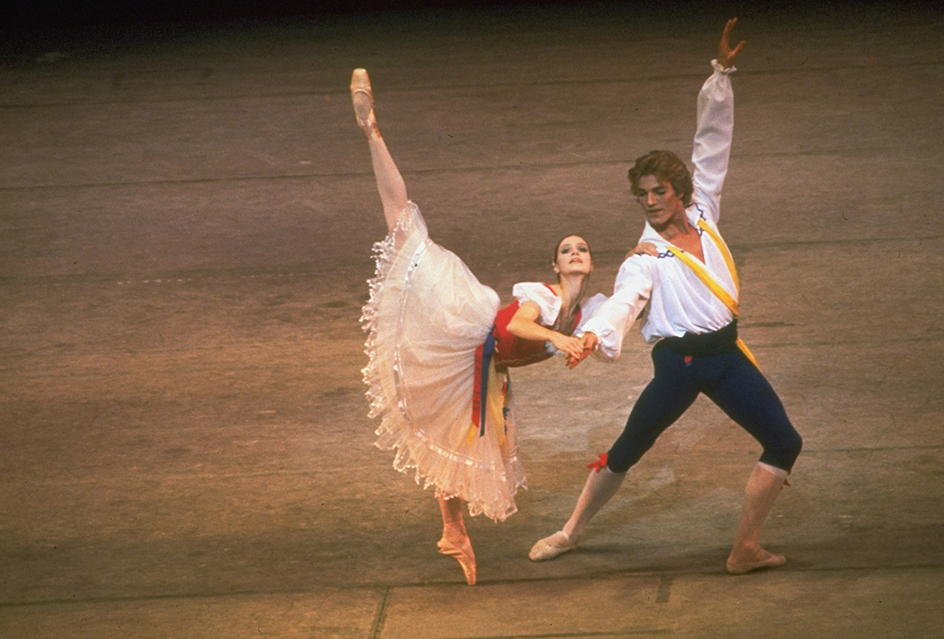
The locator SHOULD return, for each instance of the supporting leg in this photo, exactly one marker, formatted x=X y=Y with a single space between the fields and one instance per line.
x=601 y=485
x=455 y=541
x=762 y=490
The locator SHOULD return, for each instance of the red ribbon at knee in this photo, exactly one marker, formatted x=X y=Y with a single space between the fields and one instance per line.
x=600 y=463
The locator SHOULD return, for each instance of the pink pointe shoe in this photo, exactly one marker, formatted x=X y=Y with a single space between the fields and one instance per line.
x=461 y=550
x=363 y=99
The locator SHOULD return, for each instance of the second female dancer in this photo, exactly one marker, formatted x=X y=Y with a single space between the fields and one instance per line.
x=440 y=347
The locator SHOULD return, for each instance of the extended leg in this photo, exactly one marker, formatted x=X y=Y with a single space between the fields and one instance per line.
x=666 y=397
x=455 y=541
x=601 y=485
x=389 y=181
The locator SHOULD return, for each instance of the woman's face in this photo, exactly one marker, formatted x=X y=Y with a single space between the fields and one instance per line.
x=573 y=257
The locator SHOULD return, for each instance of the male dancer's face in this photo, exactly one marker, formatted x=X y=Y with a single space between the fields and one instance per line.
x=659 y=202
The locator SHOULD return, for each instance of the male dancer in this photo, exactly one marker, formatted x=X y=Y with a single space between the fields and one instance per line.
x=689 y=286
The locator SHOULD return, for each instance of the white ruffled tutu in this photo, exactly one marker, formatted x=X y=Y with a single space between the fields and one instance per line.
x=426 y=316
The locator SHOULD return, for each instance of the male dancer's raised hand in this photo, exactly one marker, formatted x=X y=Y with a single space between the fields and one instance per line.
x=727 y=55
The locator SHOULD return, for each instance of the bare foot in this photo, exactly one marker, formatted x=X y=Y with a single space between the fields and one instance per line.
x=748 y=560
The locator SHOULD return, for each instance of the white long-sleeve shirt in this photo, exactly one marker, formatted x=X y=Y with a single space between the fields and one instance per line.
x=675 y=300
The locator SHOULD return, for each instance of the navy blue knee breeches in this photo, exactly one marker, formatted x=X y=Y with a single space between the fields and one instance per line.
x=730 y=381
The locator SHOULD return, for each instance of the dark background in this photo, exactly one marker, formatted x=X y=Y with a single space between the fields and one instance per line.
x=43 y=13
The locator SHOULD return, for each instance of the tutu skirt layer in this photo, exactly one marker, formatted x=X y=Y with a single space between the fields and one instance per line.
x=426 y=315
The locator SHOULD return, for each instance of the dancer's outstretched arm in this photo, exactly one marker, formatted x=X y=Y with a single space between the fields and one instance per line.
x=389 y=181
x=525 y=325
x=711 y=148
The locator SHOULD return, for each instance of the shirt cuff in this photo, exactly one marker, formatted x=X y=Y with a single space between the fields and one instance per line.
x=720 y=69
x=608 y=340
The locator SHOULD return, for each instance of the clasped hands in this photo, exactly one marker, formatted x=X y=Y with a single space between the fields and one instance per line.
x=588 y=342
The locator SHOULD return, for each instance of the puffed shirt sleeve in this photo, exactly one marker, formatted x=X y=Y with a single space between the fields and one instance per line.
x=616 y=315
x=539 y=294
x=712 y=145
x=589 y=308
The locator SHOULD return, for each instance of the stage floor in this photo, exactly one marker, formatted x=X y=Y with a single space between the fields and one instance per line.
x=187 y=220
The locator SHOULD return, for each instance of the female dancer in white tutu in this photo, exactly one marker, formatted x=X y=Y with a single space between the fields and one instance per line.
x=440 y=347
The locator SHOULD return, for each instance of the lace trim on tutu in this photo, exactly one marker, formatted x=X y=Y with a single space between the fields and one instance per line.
x=385 y=252
x=490 y=488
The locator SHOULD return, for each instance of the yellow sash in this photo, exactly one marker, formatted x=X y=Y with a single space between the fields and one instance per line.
x=699 y=269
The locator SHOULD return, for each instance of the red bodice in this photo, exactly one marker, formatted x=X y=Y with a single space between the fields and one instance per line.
x=512 y=351
x=505 y=351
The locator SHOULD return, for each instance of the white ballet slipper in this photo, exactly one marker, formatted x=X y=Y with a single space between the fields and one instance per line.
x=550 y=547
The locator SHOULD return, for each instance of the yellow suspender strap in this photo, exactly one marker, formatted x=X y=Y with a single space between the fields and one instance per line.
x=747 y=353
x=713 y=285
x=713 y=234
x=706 y=278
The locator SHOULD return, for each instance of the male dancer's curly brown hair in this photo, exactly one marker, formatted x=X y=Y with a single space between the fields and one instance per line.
x=665 y=166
